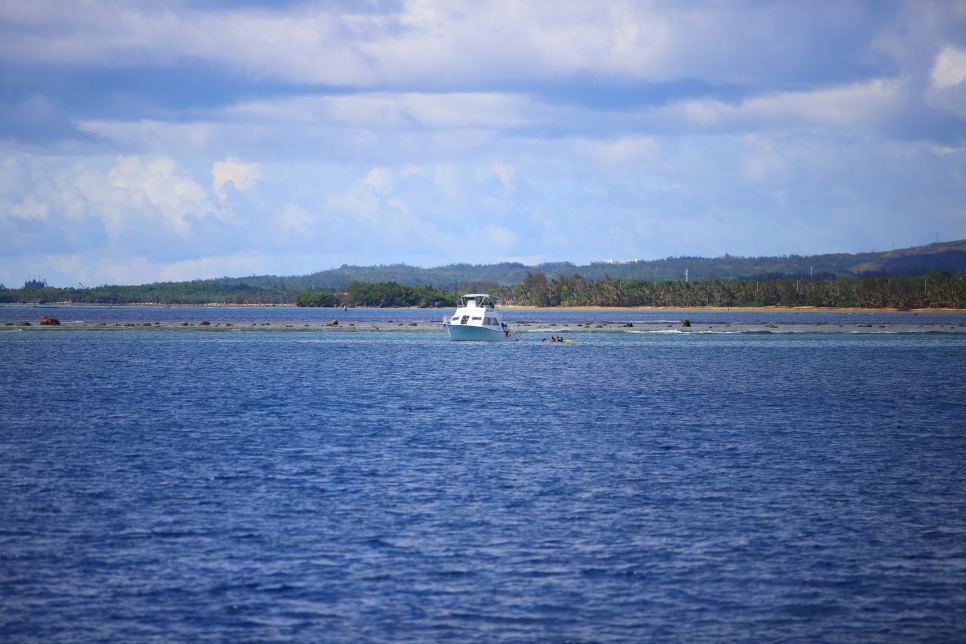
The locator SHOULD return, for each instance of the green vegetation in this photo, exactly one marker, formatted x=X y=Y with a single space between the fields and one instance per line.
x=949 y=256
x=921 y=277
x=938 y=289
x=381 y=295
x=318 y=298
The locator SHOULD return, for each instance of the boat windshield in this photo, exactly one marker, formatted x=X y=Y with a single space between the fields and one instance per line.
x=479 y=299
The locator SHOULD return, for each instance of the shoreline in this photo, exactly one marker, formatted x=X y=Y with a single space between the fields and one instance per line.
x=760 y=309
x=508 y=307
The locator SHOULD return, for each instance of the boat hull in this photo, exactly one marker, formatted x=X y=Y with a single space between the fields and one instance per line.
x=466 y=332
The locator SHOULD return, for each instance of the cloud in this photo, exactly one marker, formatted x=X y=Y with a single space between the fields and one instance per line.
x=141 y=270
x=505 y=172
x=501 y=240
x=949 y=69
x=434 y=43
x=136 y=201
x=244 y=176
x=387 y=111
x=413 y=131
x=169 y=191
x=867 y=103
x=294 y=222
x=620 y=151
x=380 y=179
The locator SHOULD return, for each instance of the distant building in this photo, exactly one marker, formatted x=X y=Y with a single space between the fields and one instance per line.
x=35 y=282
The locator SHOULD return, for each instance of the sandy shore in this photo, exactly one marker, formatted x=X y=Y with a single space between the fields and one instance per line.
x=508 y=307
x=776 y=309
x=525 y=330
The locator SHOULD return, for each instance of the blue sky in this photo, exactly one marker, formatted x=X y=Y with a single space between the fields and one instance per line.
x=171 y=140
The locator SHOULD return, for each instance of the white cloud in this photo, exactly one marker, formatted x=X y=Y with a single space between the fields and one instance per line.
x=172 y=192
x=149 y=200
x=505 y=172
x=624 y=150
x=500 y=240
x=151 y=136
x=949 y=69
x=409 y=171
x=294 y=222
x=244 y=176
x=141 y=270
x=441 y=42
x=948 y=91
x=380 y=179
x=387 y=111
x=866 y=103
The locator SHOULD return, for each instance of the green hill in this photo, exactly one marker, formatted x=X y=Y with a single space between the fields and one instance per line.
x=452 y=278
x=948 y=256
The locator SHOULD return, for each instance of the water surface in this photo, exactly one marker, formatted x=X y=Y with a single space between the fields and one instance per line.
x=164 y=486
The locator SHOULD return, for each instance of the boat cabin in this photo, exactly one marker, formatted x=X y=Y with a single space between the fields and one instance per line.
x=477 y=318
x=477 y=309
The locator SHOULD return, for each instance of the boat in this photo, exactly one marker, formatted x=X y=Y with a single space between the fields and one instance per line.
x=478 y=318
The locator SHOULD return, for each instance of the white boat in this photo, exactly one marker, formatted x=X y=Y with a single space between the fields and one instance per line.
x=478 y=318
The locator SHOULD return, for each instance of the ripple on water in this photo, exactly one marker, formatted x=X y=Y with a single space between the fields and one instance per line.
x=167 y=486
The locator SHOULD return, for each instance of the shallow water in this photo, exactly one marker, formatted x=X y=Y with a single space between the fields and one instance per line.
x=527 y=323
x=164 y=486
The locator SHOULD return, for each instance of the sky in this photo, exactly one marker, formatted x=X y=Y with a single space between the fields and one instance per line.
x=174 y=140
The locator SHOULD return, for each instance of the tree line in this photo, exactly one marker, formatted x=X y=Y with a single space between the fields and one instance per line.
x=937 y=289
x=380 y=295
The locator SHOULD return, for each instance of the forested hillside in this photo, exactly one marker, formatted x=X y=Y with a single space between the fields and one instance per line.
x=829 y=280
x=948 y=256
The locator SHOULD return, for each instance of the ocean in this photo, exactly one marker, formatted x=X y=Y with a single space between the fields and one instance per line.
x=723 y=483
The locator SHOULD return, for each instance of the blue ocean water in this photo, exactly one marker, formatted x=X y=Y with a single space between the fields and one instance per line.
x=171 y=486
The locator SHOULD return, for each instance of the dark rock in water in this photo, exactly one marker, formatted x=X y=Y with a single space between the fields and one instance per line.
x=685 y=322
x=146 y=324
x=599 y=326
x=627 y=324
x=412 y=324
x=46 y=321
x=228 y=324
x=184 y=324
x=771 y=325
x=865 y=325
x=8 y=324
x=101 y=324
x=333 y=323
x=24 y=323
x=553 y=324
x=205 y=323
